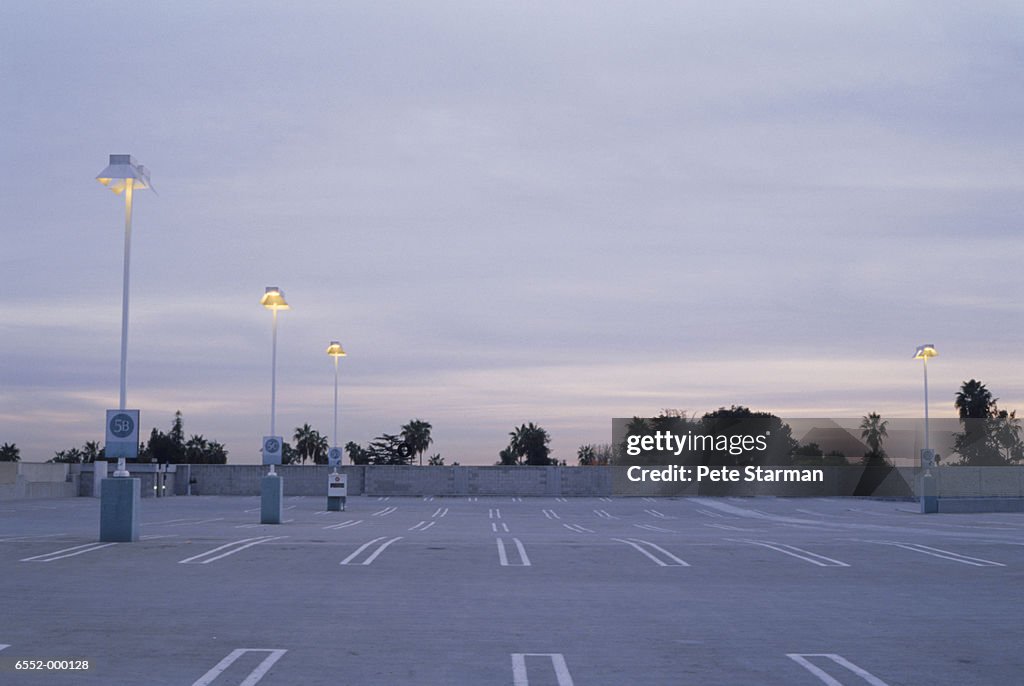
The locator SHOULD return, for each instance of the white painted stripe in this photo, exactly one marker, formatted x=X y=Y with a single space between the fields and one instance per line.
x=56 y=554
x=709 y=513
x=517 y=500
x=550 y=514
x=562 y=500
x=201 y=521
x=943 y=554
x=793 y=551
x=30 y=537
x=607 y=500
x=651 y=527
x=638 y=543
x=727 y=527
x=254 y=676
x=241 y=545
x=440 y=512
x=578 y=529
x=385 y=512
x=519 y=676
x=650 y=500
x=494 y=513
x=801 y=659
x=503 y=555
x=4 y=645
x=361 y=549
x=380 y=550
x=422 y=526
x=344 y=525
x=150 y=537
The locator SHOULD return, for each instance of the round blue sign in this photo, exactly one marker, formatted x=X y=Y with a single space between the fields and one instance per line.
x=272 y=445
x=122 y=425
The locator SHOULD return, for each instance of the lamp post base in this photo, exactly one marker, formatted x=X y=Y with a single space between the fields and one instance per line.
x=271 y=499
x=335 y=503
x=119 y=510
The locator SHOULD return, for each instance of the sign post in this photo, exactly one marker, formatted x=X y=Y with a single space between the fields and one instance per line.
x=119 y=497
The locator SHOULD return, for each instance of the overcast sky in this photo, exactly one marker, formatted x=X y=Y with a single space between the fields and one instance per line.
x=507 y=212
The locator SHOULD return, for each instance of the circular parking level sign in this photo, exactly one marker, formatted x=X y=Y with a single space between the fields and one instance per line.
x=122 y=433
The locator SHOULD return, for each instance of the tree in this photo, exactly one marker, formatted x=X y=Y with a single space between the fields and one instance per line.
x=529 y=444
x=974 y=401
x=309 y=444
x=69 y=456
x=9 y=453
x=416 y=435
x=586 y=455
x=356 y=453
x=507 y=457
x=435 y=460
x=92 y=451
x=873 y=431
x=389 y=449
x=288 y=454
x=978 y=444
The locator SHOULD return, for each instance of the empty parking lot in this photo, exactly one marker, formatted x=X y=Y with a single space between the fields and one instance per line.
x=509 y=590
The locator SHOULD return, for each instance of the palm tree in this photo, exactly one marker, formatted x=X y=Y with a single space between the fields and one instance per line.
x=309 y=443
x=974 y=401
x=586 y=455
x=9 y=452
x=416 y=435
x=529 y=442
x=873 y=432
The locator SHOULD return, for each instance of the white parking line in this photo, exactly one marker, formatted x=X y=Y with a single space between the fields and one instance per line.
x=825 y=677
x=494 y=527
x=493 y=513
x=655 y=513
x=550 y=514
x=428 y=499
x=237 y=546
x=441 y=512
x=472 y=499
x=29 y=537
x=4 y=645
x=606 y=500
x=517 y=499
x=650 y=500
x=150 y=537
x=578 y=529
x=254 y=676
x=605 y=514
x=422 y=526
x=727 y=527
x=385 y=512
x=800 y=553
x=562 y=500
x=200 y=521
x=651 y=527
x=373 y=556
x=637 y=543
x=344 y=525
x=519 y=677
x=56 y=554
x=709 y=513
x=384 y=499
x=503 y=557
x=943 y=554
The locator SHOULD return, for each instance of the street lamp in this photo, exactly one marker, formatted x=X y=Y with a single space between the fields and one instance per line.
x=124 y=175
x=335 y=350
x=273 y=300
x=923 y=353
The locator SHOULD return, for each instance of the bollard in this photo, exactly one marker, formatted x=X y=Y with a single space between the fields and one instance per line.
x=271 y=498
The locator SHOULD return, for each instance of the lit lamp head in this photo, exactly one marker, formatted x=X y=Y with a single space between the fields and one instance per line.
x=335 y=350
x=925 y=351
x=122 y=168
x=273 y=299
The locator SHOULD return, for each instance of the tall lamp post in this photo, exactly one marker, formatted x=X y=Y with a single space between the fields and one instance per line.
x=929 y=491
x=272 y=485
x=336 y=351
x=119 y=497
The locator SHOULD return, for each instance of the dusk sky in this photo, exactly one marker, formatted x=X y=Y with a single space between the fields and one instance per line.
x=507 y=212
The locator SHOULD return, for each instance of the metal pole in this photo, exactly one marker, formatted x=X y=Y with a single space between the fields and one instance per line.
x=128 y=188
x=926 y=446
x=273 y=376
x=335 y=400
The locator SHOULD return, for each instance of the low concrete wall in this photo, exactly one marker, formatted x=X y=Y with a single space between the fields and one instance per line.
x=36 y=480
x=151 y=478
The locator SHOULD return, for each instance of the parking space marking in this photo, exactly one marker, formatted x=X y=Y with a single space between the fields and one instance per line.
x=651 y=527
x=235 y=546
x=825 y=677
x=709 y=513
x=422 y=526
x=373 y=556
x=428 y=499
x=472 y=499
x=605 y=500
x=493 y=513
x=384 y=499
x=151 y=537
x=659 y=515
x=494 y=527
x=605 y=514
x=344 y=525
x=519 y=677
x=562 y=500
x=524 y=561
x=550 y=514
x=200 y=521
x=727 y=527
x=385 y=512
x=56 y=554
x=644 y=546
x=793 y=551
x=4 y=645
x=441 y=512
x=517 y=499
x=650 y=500
x=578 y=529
x=943 y=554
x=254 y=676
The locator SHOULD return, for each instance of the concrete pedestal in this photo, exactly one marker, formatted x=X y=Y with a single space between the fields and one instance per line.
x=335 y=503
x=929 y=494
x=119 y=509
x=99 y=473
x=271 y=499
